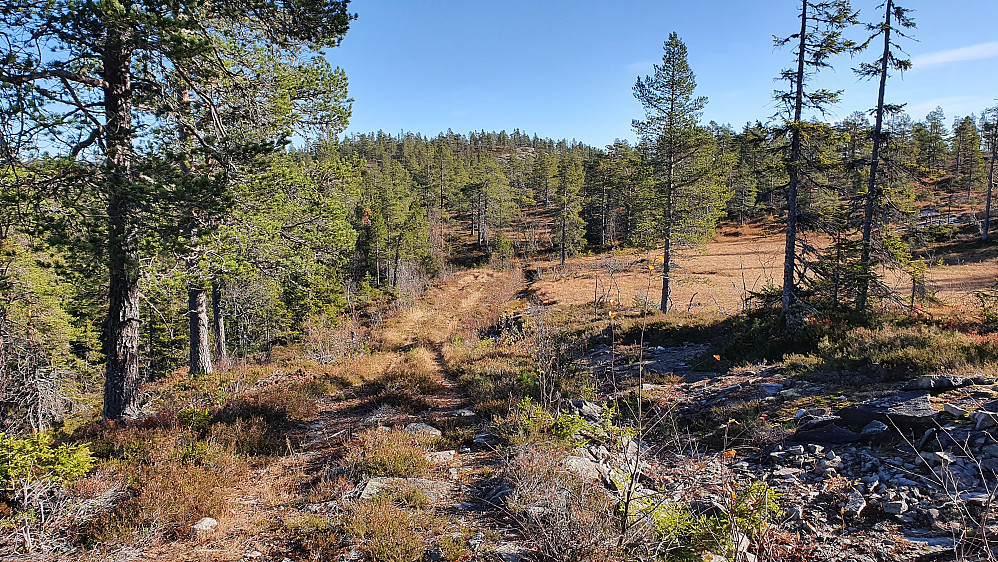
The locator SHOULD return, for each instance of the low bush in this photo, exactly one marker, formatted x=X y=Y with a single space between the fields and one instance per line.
x=36 y=457
x=388 y=453
x=904 y=351
x=387 y=532
x=565 y=517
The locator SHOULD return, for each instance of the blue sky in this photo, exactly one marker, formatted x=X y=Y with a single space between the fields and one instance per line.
x=564 y=69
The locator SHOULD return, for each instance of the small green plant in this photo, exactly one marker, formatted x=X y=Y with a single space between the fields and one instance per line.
x=453 y=548
x=197 y=419
x=37 y=457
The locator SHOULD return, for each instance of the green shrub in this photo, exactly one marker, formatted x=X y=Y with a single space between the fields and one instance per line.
x=37 y=457
x=684 y=533
x=908 y=351
x=197 y=419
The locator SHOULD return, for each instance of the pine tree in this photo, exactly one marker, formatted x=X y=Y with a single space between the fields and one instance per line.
x=930 y=135
x=113 y=66
x=820 y=37
x=968 y=161
x=689 y=194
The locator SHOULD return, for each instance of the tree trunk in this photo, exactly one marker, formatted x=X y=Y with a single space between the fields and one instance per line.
x=991 y=182
x=872 y=190
x=790 y=251
x=121 y=330
x=221 y=353
x=666 y=304
x=564 y=222
x=197 y=313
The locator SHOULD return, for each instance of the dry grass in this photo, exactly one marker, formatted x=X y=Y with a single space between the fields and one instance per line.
x=739 y=260
x=387 y=453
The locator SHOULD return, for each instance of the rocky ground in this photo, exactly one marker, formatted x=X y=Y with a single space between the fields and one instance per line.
x=855 y=471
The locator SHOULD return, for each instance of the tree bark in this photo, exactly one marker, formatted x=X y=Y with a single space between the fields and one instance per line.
x=221 y=353
x=790 y=251
x=121 y=330
x=991 y=179
x=197 y=313
x=872 y=190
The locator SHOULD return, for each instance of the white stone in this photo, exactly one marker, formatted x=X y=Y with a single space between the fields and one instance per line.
x=205 y=525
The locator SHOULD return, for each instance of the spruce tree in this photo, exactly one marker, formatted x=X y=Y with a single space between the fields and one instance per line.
x=819 y=38
x=569 y=231
x=895 y=19
x=989 y=133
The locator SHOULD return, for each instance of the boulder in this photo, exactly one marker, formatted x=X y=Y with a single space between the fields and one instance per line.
x=434 y=490
x=441 y=456
x=828 y=434
x=582 y=467
x=954 y=410
x=855 y=504
x=937 y=383
x=205 y=525
x=423 y=430
x=986 y=416
x=875 y=431
x=895 y=507
x=905 y=410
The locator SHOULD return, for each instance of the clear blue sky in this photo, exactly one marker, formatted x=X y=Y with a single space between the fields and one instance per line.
x=564 y=69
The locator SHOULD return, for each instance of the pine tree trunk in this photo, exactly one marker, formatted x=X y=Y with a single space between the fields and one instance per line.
x=790 y=251
x=872 y=190
x=221 y=353
x=666 y=303
x=121 y=330
x=197 y=313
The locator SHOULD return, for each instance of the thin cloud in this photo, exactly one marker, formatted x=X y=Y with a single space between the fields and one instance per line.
x=973 y=52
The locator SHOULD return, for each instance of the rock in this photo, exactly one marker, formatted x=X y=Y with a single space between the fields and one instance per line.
x=587 y=408
x=940 y=458
x=814 y=449
x=423 y=430
x=875 y=430
x=441 y=456
x=831 y=434
x=770 y=389
x=707 y=507
x=787 y=473
x=487 y=439
x=434 y=490
x=985 y=419
x=990 y=465
x=855 y=504
x=895 y=507
x=464 y=413
x=205 y=525
x=808 y=422
x=937 y=383
x=905 y=409
x=582 y=467
x=954 y=410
